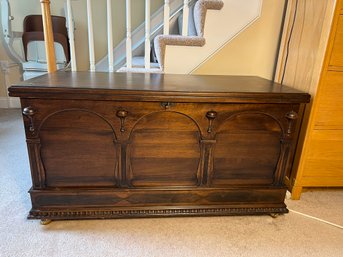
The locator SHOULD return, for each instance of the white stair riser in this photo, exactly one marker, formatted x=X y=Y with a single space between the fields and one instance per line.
x=236 y=15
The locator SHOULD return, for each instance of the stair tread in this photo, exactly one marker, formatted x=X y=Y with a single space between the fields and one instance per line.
x=138 y=61
x=140 y=70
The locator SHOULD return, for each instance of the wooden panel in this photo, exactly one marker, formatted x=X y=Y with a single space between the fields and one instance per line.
x=145 y=197
x=303 y=56
x=77 y=149
x=323 y=167
x=325 y=154
x=337 y=51
x=330 y=106
x=322 y=181
x=121 y=86
x=165 y=154
x=234 y=160
x=165 y=151
x=319 y=161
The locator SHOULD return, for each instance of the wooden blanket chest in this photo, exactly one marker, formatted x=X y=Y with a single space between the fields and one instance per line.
x=112 y=145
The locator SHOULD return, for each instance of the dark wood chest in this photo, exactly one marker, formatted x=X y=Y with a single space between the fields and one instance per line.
x=107 y=145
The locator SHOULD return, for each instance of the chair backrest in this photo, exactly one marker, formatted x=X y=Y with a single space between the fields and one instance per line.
x=33 y=31
x=35 y=23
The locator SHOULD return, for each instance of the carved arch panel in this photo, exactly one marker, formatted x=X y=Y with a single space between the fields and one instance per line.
x=78 y=150
x=164 y=151
x=247 y=150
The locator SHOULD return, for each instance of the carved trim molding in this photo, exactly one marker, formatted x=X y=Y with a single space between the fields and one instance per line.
x=163 y=112
x=155 y=212
x=77 y=110
x=249 y=112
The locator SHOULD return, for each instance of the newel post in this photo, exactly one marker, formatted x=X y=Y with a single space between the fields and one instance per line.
x=48 y=35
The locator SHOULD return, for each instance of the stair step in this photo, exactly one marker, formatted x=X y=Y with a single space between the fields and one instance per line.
x=140 y=70
x=138 y=65
x=138 y=61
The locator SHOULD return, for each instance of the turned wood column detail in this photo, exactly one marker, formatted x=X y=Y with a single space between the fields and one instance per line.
x=48 y=35
x=207 y=146
x=36 y=166
x=29 y=113
x=211 y=115
x=34 y=146
x=286 y=145
x=122 y=114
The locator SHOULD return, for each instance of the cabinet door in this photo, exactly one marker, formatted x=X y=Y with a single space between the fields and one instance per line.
x=325 y=155
x=164 y=151
x=337 y=51
x=247 y=150
x=330 y=106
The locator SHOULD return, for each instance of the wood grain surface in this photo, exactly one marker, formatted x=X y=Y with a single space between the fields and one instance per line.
x=114 y=152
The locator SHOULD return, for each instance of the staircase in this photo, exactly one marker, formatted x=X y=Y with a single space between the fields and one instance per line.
x=190 y=39
x=177 y=38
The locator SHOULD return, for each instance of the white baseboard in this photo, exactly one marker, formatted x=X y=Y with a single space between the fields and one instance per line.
x=9 y=102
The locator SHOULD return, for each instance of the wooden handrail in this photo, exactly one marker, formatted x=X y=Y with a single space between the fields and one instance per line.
x=48 y=35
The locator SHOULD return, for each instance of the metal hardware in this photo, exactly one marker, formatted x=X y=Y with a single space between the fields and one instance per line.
x=29 y=112
x=122 y=114
x=45 y=222
x=167 y=105
x=211 y=115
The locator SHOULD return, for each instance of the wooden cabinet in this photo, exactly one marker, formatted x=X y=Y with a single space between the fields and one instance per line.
x=135 y=145
x=336 y=59
x=329 y=109
x=321 y=163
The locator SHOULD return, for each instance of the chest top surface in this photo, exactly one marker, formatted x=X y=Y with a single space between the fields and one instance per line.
x=155 y=87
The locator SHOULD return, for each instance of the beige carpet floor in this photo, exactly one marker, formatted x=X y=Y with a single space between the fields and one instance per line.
x=288 y=235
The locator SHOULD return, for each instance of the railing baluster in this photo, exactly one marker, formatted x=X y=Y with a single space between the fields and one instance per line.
x=90 y=36
x=71 y=36
x=109 y=36
x=147 y=34
x=48 y=36
x=166 y=17
x=128 y=35
x=185 y=18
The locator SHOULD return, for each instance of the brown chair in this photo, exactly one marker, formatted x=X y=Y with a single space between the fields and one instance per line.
x=33 y=31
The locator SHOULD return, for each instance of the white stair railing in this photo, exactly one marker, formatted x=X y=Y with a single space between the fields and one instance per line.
x=109 y=36
x=185 y=18
x=166 y=17
x=90 y=36
x=71 y=36
x=147 y=35
x=128 y=35
x=184 y=4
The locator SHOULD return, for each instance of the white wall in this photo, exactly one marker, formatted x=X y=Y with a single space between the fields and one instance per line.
x=254 y=51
